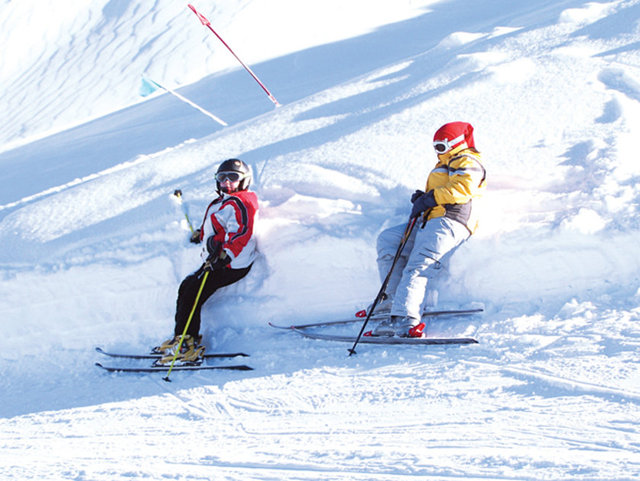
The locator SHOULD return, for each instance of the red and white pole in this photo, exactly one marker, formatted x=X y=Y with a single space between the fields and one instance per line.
x=207 y=24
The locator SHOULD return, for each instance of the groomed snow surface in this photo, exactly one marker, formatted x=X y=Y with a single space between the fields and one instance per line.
x=94 y=245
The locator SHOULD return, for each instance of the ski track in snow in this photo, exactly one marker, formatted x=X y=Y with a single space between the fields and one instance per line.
x=94 y=245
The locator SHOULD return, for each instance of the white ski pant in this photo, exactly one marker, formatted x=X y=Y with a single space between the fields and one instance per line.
x=420 y=261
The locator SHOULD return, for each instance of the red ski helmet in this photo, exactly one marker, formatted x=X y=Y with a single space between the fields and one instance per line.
x=453 y=135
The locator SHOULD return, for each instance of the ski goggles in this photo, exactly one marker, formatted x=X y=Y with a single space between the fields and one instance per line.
x=444 y=146
x=230 y=176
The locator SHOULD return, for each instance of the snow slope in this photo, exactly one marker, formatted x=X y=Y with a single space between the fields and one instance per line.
x=94 y=245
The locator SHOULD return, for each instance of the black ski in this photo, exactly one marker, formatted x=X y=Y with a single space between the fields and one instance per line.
x=234 y=367
x=375 y=317
x=389 y=340
x=158 y=356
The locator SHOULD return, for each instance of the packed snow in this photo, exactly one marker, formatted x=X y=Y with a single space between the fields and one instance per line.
x=94 y=244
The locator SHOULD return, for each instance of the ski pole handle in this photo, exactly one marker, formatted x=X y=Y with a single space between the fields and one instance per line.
x=178 y=195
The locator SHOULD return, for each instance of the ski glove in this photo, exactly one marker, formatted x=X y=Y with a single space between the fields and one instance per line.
x=217 y=263
x=416 y=195
x=195 y=237
x=421 y=202
x=218 y=258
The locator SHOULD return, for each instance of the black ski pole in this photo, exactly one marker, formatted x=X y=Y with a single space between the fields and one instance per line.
x=405 y=238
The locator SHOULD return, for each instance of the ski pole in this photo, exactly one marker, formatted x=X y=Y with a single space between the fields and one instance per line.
x=184 y=332
x=207 y=24
x=405 y=238
x=178 y=195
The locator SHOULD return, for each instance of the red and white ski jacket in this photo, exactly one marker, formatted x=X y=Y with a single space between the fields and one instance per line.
x=230 y=219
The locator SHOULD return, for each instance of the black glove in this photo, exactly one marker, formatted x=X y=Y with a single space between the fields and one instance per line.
x=195 y=237
x=422 y=202
x=218 y=258
x=416 y=194
x=217 y=263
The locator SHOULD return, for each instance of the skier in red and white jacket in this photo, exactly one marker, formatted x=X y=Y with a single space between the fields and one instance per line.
x=229 y=249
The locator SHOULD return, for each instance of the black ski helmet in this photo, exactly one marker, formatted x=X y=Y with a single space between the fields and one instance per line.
x=238 y=166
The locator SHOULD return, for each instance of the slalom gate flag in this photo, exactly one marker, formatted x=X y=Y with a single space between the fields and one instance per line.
x=147 y=87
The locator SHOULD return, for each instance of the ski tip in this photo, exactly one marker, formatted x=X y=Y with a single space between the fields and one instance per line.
x=368 y=334
x=361 y=314
x=281 y=327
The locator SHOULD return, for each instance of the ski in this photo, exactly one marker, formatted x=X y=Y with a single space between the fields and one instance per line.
x=233 y=367
x=324 y=324
x=377 y=317
x=158 y=356
x=448 y=312
x=389 y=340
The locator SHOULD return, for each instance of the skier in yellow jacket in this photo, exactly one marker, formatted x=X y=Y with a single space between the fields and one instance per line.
x=446 y=217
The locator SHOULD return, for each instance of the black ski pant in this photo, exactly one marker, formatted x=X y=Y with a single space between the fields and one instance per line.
x=188 y=292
